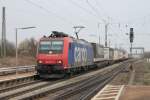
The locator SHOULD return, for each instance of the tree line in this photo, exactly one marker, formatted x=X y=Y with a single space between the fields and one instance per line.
x=27 y=47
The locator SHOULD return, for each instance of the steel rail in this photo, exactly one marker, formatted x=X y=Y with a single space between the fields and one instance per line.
x=91 y=82
x=25 y=89
x=65 y=85
x=94 y=90
x=17 y=81
x=19 y=85
x=34 y=92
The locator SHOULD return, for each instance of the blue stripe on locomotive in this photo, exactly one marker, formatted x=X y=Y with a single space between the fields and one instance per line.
x=80 y=54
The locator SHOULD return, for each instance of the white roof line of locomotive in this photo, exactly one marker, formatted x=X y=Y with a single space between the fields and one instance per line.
x=82 y=41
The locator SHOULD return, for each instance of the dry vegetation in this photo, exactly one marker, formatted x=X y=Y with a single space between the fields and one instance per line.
x=26 y=50
x=142 y=75
x=23 y=60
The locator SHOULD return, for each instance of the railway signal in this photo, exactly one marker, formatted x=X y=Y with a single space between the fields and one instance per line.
x=131 y=35
x=131 y=39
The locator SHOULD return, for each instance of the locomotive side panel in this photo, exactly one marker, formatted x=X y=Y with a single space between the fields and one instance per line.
x=80 y=54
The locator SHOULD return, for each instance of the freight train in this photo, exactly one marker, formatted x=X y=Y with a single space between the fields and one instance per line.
x=60 y=55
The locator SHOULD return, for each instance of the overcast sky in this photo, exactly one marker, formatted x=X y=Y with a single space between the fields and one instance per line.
x=62 y=15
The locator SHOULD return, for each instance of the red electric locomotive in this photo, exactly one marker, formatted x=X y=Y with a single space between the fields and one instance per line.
x=60 y=54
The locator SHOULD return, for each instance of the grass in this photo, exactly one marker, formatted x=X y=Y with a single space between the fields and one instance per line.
x=142 y=73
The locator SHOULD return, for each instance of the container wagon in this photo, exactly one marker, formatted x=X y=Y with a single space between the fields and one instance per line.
x=99 y=59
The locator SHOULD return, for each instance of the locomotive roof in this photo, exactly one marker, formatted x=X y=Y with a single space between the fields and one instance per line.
x=48 y=38
x=61 y=38
x=81 y=41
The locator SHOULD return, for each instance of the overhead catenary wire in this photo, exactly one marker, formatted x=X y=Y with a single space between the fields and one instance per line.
x=84 y=9
x=91 y=13
x=97 y=3
x=117 y=36
x=50 y=12
x=78 y=5
x=99 y=6
x=81 y=20
x=116 y=22
x=95 y=10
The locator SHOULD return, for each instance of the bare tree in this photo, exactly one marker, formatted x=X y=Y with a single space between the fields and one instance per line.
x=10 y=49
x=28 y=47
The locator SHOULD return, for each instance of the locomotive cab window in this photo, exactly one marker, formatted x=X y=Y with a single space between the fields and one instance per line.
x=51 y=47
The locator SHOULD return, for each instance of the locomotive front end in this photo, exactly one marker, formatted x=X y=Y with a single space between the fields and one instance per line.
x=51 y=56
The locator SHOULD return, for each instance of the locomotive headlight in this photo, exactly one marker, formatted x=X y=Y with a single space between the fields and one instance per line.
x=40 y=61
x=59 y=61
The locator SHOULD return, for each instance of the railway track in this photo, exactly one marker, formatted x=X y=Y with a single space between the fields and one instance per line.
x=10 y=88
x=10 y=92
x=84 y=91
x=16 y=82
x=22 y=90
x=86 y=84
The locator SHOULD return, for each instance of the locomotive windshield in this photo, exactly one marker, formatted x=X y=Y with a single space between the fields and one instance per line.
x=51 y=47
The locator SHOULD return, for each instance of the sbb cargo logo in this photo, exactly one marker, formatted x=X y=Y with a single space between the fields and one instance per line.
x=80 y=55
